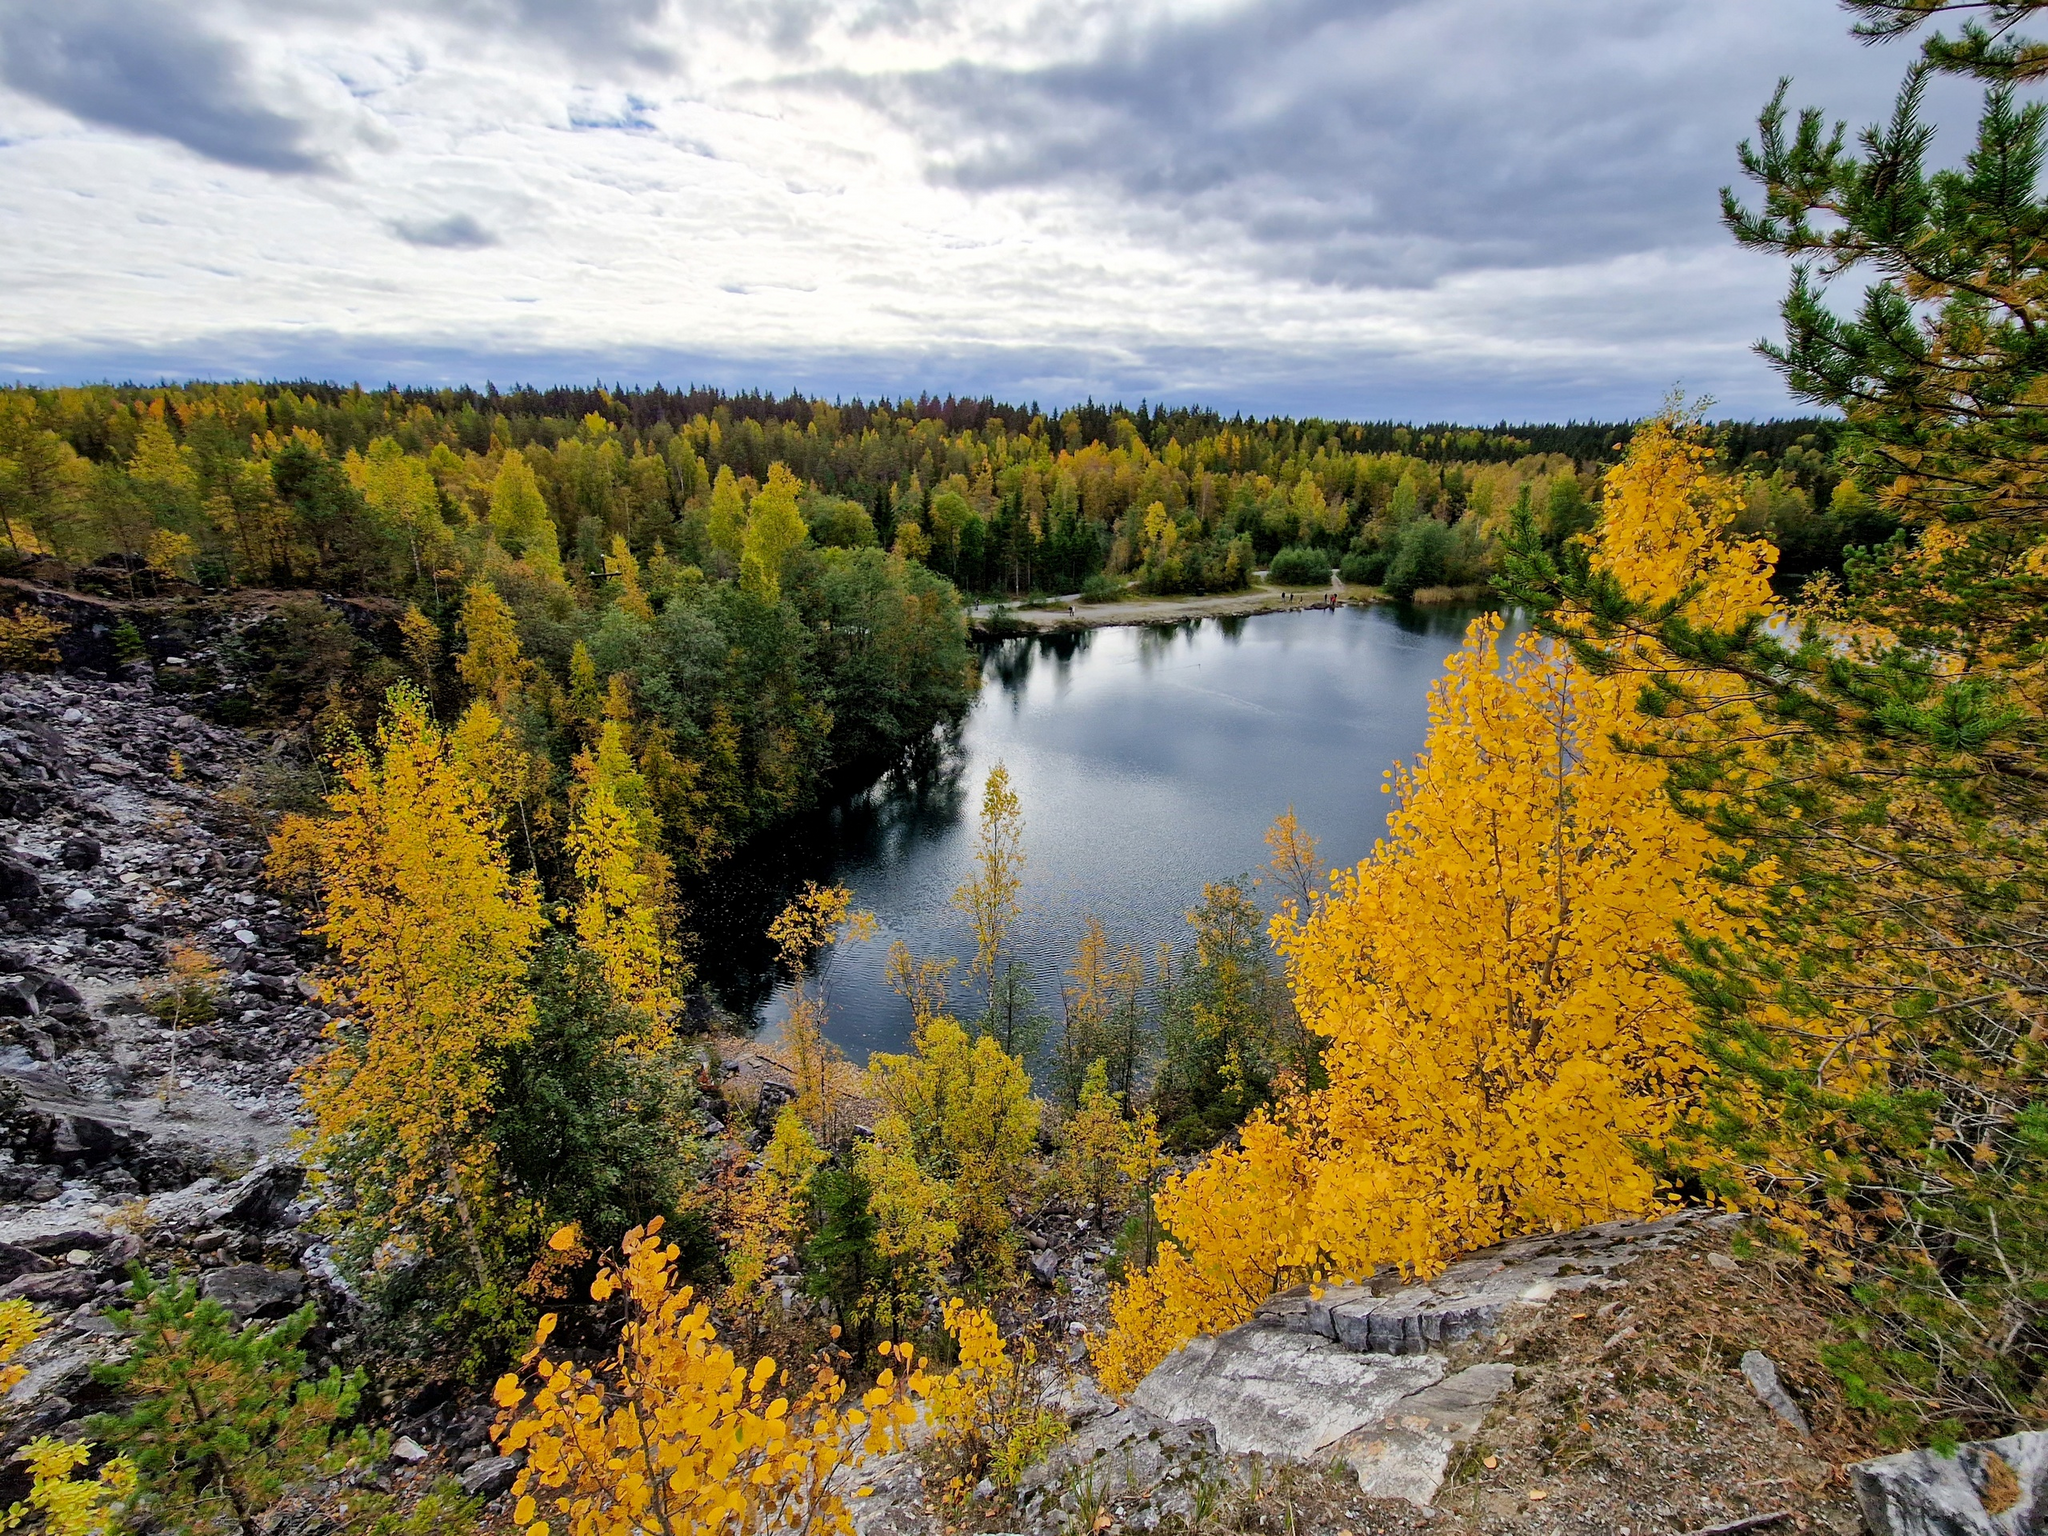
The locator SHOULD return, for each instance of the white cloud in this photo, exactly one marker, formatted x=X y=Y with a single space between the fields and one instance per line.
x=1479 y=208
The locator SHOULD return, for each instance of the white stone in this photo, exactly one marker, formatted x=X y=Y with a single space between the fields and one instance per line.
x=1280 y=1394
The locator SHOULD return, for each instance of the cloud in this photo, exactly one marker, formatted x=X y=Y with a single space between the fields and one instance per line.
x=454 y=232
x=1367 y=142
x=149 y=68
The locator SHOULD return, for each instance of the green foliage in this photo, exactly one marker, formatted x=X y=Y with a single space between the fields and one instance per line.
x=1363 y=567
x=1101 y=588
x=1421 y=558
x=223 y=1416
x=841 y=1262
x=1875 y=1034
x=599 y=1135
x=1226 y=1031
x=1300 y=566
x=128 y=643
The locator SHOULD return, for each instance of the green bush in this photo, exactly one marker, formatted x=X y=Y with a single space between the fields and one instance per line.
x=1101 y=588
x=1300 y=566
x=1364 y=567
x=1422 y=558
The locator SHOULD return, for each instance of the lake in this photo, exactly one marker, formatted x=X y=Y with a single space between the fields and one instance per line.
x=1148 y=761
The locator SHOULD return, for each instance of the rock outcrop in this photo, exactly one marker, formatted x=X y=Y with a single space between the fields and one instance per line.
x=1367 y=1374
x=1988 y=1488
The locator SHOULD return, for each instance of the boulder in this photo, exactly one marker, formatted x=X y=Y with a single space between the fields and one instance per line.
x=1988 y=1488
x=62 y=1289
x=1761 y=1372
x=79 y=852
x=18 y=882
x=251 y=1291
x=490 y=1477
x=17 y=1260
x=1129 y=1454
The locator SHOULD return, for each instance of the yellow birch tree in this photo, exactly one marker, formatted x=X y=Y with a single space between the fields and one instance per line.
x=1502 y=1030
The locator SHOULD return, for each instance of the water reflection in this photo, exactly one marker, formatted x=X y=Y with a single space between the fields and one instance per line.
x=1149 y=760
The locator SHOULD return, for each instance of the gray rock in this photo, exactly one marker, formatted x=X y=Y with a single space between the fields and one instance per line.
x=61 y=1288
x=1405 y=1455
x=79 y=852
x=1280 y=1394
x=1762 y=1374
x=1129 y=1454
x=490 y=1477
x=18 y=882
x=1474 y=1294
x=1076 y=1399
x=408 y=1450
x=1045 y=1267
x=250 y=1290
x=1988 y=1488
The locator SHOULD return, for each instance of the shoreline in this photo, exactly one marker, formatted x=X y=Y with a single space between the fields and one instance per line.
x=1166 y=610
x=1162 y=610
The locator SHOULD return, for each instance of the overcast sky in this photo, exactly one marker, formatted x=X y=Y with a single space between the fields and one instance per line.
x=1410 y=208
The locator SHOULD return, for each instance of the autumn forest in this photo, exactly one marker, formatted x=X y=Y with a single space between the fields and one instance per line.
x=1720 y=881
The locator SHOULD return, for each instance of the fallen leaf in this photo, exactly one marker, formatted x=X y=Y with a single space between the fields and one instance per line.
x=1538 y=1493
x=1491 y=1461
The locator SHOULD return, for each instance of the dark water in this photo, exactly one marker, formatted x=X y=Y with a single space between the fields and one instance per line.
x=1148 y=761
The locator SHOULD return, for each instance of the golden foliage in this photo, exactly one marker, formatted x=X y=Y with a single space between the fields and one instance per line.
x=1106 y=1158
x=27 y=641
x=1502 y=1033
x=628 y=889
x=964 y=1110
x=432 y=933
x=985 y=1414
x=67 y=1506
x=491 y=665
x=989 y=895
x=672 y=1436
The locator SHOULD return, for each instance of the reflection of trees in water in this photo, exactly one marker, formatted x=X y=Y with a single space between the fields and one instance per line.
x=1009 y=663
x=919 y=801
x=1446 y=622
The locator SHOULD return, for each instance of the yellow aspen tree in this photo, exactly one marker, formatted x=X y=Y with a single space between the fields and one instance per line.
x=989 y=896
x=1503 y=1031
x=671 y=1435
x=759 y=1216
x=629 y=596
x=727 y=517
x=614 y=839
x=971 y=1120
x=520 y=518
x=774 y=528
x=431 y=934
x=491 y=665
x=803 y=931
x=913 y=1232
x=419 y=638
x=1106 y=1158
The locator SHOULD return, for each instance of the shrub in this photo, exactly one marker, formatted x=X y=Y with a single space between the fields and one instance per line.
x=740 y=1451
x=1421 y=558
x=1364 y=567
x=985 y=1413
x=26 y=641
x=224 y=1418
x=1300 y=566
x=1101 y=588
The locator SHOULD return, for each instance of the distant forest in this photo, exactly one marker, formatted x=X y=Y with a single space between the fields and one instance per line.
x=353 y=490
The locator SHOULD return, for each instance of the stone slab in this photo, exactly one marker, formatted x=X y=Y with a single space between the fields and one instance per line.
x=1278 y=1393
